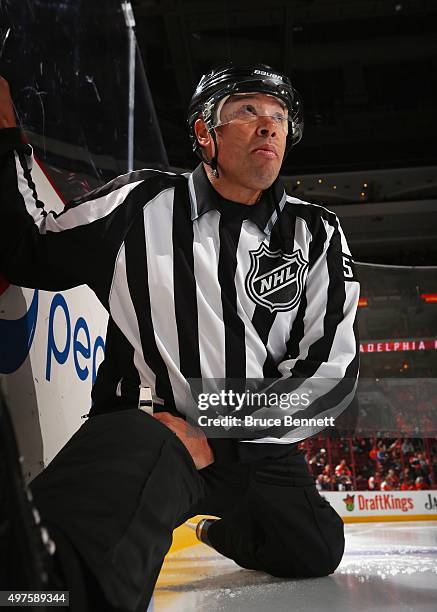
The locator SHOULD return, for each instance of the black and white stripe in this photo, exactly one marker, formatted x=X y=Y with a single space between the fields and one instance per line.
x=169 y=261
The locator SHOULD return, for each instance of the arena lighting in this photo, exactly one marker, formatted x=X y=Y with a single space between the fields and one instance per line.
x=429 y=297
x=362 y=301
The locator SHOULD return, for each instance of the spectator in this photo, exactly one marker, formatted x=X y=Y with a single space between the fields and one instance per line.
x=371 y=483
x=342 y=469
x=407 y=474
x=381 y=455
x=327 y=470
x=418 y=463
x=391 y=480
x=407 y=446
x=394 y=476
x=322 y=457
x=374 y=454
x=421 y=484
x=386 y=485
x=320 y=482
x=408 y=485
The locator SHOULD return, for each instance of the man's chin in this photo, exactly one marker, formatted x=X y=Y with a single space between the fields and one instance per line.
x=254 y=177
x=266 y=172
x=265 y=180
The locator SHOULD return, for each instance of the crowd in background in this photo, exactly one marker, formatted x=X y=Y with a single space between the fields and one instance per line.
x=361 y=464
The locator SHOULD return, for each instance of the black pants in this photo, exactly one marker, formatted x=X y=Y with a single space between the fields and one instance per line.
x=116 y=491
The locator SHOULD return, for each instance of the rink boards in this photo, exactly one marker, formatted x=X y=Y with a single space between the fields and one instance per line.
x=364 y=506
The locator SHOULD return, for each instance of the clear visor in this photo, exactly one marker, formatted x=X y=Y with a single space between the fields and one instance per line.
x=251 y=107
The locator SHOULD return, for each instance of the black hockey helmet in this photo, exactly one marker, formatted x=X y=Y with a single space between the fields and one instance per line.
x=222 y=82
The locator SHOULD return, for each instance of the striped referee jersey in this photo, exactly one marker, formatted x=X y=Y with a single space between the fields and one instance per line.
x=198 y=288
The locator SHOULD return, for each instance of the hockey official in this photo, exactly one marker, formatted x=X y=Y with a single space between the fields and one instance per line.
x=213 y=275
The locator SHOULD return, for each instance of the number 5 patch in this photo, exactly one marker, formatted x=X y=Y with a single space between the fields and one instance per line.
x=349 y=268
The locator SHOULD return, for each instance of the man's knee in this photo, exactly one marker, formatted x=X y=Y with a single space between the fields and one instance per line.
x=320 y=557
x=292 y=568
x=326 y=564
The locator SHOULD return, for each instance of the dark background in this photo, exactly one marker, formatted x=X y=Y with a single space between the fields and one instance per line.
x=367 y=73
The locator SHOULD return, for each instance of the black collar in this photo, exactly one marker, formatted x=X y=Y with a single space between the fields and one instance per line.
x=204 y=197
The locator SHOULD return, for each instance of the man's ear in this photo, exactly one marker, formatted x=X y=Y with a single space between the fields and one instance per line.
x=202 y=134
x=204 y=138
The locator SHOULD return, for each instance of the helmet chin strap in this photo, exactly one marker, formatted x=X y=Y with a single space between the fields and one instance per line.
x=214 y=159
x=213 y=162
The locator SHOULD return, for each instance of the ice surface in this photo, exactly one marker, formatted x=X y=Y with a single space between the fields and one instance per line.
x=386 y=566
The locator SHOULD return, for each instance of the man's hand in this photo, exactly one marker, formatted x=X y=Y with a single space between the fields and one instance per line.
x=7 y=115
x=193 y=438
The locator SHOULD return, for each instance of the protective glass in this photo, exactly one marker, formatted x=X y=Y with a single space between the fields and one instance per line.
x=247 y=108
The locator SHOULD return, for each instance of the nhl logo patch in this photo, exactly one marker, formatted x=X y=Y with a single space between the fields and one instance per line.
x=275 y=279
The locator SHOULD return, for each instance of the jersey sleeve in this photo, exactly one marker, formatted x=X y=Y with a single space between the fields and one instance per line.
x=40 y=248
x=319 y=375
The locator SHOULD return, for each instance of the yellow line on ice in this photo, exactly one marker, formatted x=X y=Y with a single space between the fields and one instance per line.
x=389 y=518
x=184 y=537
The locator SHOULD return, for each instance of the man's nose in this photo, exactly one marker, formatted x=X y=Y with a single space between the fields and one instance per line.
x=266 y=126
